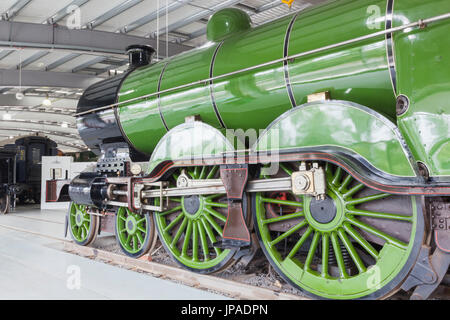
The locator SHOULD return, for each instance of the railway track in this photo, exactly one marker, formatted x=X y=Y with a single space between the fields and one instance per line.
x=216 y=283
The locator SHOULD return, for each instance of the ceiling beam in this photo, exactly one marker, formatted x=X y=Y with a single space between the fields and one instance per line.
x=5 y=53
x=88 y=63
x=153 y=16
x=61 y=61
x=43 y=131
x=26 y=112
x=64 y=12
x=10 y=100
x=33 y=78
x=17 y=35
x=15 y=9
x=32 y=59
x=50 y=125
x=124 y=6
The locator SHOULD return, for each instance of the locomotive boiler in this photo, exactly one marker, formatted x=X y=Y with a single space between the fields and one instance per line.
x=346 y=184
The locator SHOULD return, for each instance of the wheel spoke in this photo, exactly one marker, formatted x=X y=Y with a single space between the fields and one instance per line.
x=362 y=242
x=285 y=169
x=380 y=215
x=187 y=239
x=289 y=232
x=299 y=243
x=337 y=176
x=325 y=253
x=128 y=241
x=377 y=233
x=213 y=223
x=338 y=255
x=174 y=209
x=216 y=214
x=312 y=251
x=345 y=183
x=368 y=198
x=179 y=232
x=140 y=221
x=213 y=196
x=205 y=248
x=353 y=190
x=135 y=243
x=351 y=250
x=203 y=172
x=140 y=238
x=212 y=172
x=174 y=222
x=210 y=234
x=328 y=170
x=283 y=218
x=194 y=241
x=191 y=174
x=283 y=202
x=216 y=204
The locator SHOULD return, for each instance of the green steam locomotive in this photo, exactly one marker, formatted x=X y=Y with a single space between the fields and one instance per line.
x=322 y=137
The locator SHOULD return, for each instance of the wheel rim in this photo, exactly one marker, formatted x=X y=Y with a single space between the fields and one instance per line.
x=336 y=248
x=192 y=224
x=4 y=204
x=80 y=222
x=133 y=230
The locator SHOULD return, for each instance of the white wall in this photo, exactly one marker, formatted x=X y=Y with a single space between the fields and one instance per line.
x=61 y=164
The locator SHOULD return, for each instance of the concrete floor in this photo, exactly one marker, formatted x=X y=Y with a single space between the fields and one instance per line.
x=31 y=267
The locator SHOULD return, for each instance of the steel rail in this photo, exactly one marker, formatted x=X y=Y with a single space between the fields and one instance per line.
x=419 y=23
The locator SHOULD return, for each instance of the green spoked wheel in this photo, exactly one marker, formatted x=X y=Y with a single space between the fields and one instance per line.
x=82 y=225
x=191 y=224
x=135 y=233
x=356 y=243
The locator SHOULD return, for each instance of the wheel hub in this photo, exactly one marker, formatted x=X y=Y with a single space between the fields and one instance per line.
x=79 y=219
x=323 y=211
x=192 y=205
x=131 y=224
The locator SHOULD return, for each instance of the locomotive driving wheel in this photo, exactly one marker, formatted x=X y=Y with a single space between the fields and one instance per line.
x=135 y=233
x=192 y=223
x=82 y=225
x=357 y=243
x=4 y=204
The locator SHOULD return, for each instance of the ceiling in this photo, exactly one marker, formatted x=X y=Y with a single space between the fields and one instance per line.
x=55 y=49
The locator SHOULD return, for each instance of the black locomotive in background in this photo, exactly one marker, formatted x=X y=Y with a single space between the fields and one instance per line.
x=20 y=170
